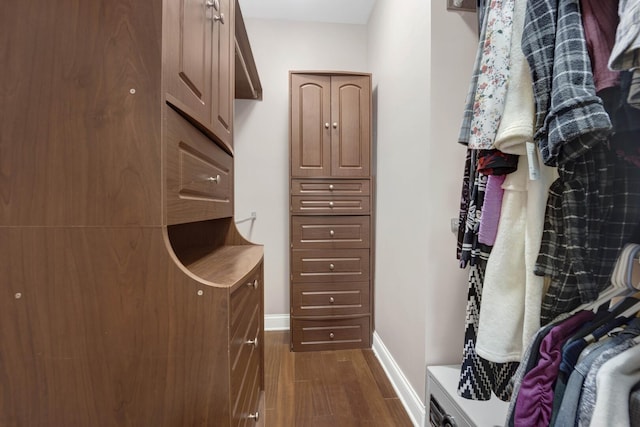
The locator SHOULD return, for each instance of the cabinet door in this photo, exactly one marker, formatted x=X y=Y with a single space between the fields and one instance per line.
x=310 y=127
x=189 y=58
x=350 y=126
x=223 y=78
x=200 y=60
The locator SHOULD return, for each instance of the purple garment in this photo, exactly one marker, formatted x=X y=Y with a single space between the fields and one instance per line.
x=491 y=210
x=535 y=398
x=600 y=21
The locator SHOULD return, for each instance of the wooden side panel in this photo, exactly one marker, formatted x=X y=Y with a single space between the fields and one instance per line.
x=351 y=135
x=80 y=108
x=310 y=133
x=98 y=327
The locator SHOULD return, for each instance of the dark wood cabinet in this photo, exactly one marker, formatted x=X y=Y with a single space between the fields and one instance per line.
x=331 y=215
x=200 y=59
x=330 y=125
x=129 y=298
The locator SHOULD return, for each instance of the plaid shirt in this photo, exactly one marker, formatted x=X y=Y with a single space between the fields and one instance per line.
x=592 y=211
x=570 y=118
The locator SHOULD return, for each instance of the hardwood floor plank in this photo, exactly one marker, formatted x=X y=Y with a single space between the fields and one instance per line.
x=343 y=388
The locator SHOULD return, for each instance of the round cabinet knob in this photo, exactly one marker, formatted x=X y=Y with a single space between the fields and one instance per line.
x=331 y=267
x=215 y=4
x=332 y=233
x=253 y=342
x=335 y=125
x=331 y=335
x=331 y=300
x=255 y=416
x=253 y=284
x=214 y=179
x=331 y=187
x=219 y=18
x=331 y=204
x=326 y=125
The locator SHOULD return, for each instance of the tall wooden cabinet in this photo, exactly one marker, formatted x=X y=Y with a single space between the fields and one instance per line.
x=128 y=297
x=331 y=218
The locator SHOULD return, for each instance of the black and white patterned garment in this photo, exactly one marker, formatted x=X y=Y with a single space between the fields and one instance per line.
x=478 y=377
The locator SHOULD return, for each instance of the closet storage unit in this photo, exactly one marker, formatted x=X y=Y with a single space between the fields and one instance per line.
x=331 y=217
x=128 y=295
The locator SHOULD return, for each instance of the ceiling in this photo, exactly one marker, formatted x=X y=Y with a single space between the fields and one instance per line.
x=338 y=11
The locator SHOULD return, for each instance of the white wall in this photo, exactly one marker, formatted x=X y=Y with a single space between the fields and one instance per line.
x=262 y=132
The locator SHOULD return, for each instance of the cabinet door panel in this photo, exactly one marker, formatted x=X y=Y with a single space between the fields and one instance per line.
x=350 y=126
x=189 y=58
x=223 y=78
x=310 y=115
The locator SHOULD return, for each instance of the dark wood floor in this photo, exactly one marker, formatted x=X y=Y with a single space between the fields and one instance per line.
x=346 y=388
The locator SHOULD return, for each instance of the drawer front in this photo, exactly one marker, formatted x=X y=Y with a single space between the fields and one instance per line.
x=246 y=348
x=330 y=232
x=330 y=299
x=199 y=174
x=319 y=187
x=329 y=266
x=330 y=205
x=314 y=335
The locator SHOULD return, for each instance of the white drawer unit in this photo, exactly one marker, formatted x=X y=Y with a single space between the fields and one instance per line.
x=447 y=409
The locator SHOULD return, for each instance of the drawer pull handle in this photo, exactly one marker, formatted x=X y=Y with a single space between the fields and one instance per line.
x=331 y=335
x=331 y=267
x=331 y=187
x=332 y=233
x=253 y=284
x=331 y=204
x=331 y=300
x=213 y=179
x=253 y=342
x=255 y=416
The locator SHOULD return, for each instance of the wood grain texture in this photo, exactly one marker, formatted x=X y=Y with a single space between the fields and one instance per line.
x=342 y=388
x=76 y=147
x=107 y=332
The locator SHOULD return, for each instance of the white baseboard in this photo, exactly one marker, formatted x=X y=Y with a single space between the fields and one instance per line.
x=276 y=322
x=408 y=396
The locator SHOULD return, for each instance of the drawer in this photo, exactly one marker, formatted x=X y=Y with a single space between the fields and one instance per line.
x=199 y=174
x=330 y=265
x=330 y=299
x=330 y=205
x=333 y=334
x=245 y=400
x=323 y=187
x=330 y=232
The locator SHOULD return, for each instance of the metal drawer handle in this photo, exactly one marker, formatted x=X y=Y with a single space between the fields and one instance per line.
x=215 y=4
x=331 y=300
x=213 y=179
x=332 y=233
x=331 y=204
x=219 y=18
x=254 y=417
x=326 y=125
x=331 y=267
x=253 y=342
x=331 y=335
x=335 y=125
x=331 y=187
x=253 y=284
